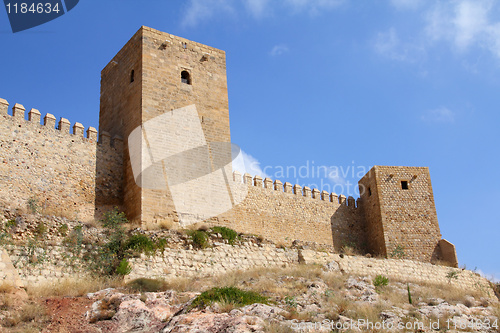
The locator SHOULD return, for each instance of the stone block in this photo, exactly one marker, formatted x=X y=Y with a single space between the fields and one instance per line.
x=18 y=111
x=34 y=116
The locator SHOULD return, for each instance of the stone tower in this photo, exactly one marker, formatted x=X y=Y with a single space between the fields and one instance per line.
x=154 y=74
x=400 y=213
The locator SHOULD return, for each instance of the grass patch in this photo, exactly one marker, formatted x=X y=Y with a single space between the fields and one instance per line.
x=231 y=295
x=147 y=285
x=380 y=281
x=228 y=234
x=72 y=287
x=199 y=238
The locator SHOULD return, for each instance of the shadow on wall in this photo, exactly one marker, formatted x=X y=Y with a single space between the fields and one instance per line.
x=348 y=231
x=445 y=252
x=109 y=175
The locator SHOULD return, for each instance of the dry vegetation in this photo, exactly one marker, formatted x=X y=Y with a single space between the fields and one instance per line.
x=283 y=287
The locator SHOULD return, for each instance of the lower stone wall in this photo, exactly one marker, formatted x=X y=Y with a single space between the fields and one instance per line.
x=400 y=269
x=212 y=261
x=44 y=265
x=55 y=263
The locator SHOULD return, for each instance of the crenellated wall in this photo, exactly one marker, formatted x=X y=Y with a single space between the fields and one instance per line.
x=286 y=212
x=62 y=173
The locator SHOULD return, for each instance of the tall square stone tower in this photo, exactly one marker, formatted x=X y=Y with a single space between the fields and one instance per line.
x=400 y=212
x=153 y=74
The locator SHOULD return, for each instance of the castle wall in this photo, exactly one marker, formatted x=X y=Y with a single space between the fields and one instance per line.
x=121 y=109
x=283 y=214
x=408 y=216
x=54 y=169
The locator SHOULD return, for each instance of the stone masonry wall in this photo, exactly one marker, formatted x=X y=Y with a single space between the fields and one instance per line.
x=404 y=213
x=52 y=263
x=55 y=169
x=56 y=263
x=284 y=213
x=226 y=258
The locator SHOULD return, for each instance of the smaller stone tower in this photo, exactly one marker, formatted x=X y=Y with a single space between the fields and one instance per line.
x=400 y=213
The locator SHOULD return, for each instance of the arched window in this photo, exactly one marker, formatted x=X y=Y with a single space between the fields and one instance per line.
x=132 y=76
x=185 y=77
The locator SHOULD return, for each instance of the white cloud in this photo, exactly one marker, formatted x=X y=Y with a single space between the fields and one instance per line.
x=439 y=115
x=389 y=45
x=461 y=25
x=336 y=175
x=246 y=163
x=464 y=24
x=258 y=8
x=203 y=10
x=278 y=50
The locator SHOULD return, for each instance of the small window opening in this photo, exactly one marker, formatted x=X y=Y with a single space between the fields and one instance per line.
x=404 y=184
x=132 y=76
x=185 y=77
x=369 y=191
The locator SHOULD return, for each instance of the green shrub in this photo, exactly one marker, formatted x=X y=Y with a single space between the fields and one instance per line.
x=10 y=224
x=380 y=281
x=199 y=238
x=231 y=295
x=63 y=230
x=452 y=275
x=32 y=205
x=140 y=243
x=228 y=234
x=398 y=252
x=147 y=285
x=123 y=268
x=114 y=219
x=40 y=229
x=161 y=244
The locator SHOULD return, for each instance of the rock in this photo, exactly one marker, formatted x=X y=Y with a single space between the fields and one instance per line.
x=134 y=315
x=199 y=321
x=332 y=266
x=263 y=311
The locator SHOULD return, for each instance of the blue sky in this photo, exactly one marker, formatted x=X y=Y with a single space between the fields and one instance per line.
x=342 y=84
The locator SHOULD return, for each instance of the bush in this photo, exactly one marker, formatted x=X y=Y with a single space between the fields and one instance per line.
x=199 y=238
x=398 y=252
x=123 y=268
x=228 y=234
x=380 y=281
x=114 y=219
x=140 y=243
x=63 y=230
x=40 y=229
x=147 y=285
x=231 y=295
x=32 y=205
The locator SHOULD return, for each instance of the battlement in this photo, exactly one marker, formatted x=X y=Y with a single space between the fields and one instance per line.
x=296 y=189
x=63 y=126
x=55 y=165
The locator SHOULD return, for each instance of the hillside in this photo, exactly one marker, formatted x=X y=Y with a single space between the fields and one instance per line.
x=99 y=287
